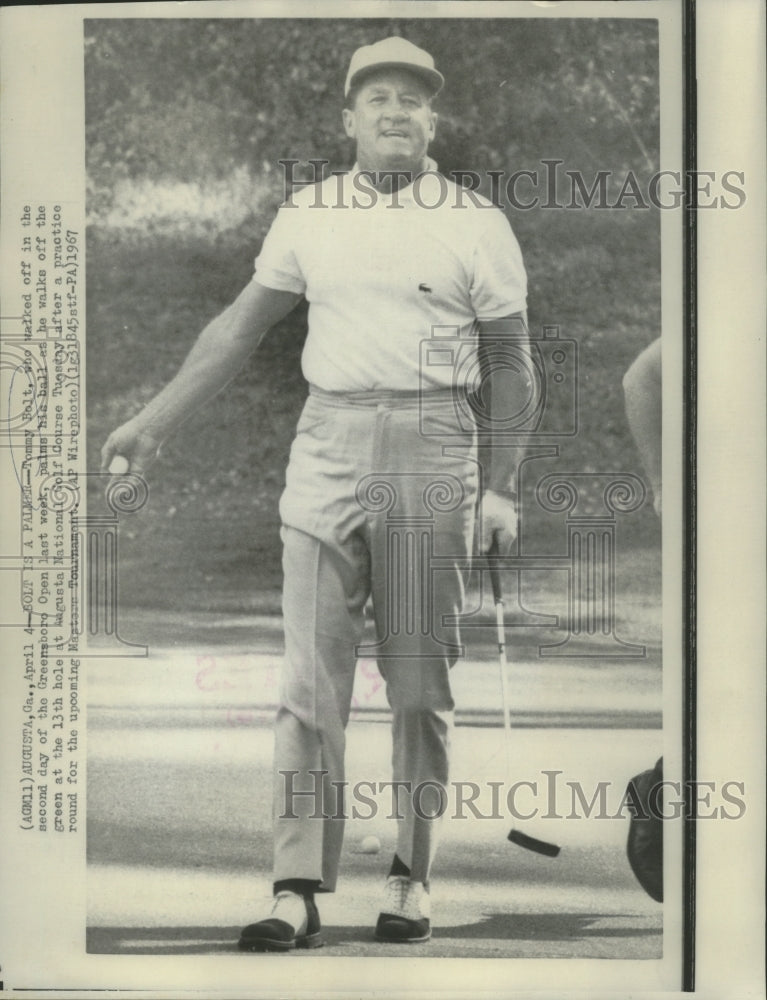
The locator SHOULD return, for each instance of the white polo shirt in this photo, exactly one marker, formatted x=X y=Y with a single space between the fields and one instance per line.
x=384 y=272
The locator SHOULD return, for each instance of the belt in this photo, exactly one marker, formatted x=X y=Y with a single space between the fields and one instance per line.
x=376 y=397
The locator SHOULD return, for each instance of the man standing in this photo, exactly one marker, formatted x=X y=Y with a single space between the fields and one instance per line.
x=383 y=478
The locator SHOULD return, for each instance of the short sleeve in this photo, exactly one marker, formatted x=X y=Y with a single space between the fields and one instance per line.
x=277 y=265
x=499 y=281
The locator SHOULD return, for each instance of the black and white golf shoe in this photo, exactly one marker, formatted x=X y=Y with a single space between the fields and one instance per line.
x=292 y=922
x=405 y=913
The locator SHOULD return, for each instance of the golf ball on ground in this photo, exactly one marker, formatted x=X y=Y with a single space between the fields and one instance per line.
x=370 y=845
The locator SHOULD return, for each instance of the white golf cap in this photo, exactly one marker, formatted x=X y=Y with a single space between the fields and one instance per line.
x=393 y=53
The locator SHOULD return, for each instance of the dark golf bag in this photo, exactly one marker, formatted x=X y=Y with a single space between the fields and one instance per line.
x=645 y=839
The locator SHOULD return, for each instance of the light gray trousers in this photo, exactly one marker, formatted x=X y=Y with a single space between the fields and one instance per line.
x=379 y=501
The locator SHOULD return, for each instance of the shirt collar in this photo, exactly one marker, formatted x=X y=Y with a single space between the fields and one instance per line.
x=403 y=194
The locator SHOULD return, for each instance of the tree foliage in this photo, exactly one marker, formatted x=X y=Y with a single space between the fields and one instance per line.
x=194 y=99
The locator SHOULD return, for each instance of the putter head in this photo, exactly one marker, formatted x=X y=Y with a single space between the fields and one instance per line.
x=533 y=844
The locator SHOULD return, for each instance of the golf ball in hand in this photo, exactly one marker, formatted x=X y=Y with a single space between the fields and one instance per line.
x=370 y=845
x=119 y=466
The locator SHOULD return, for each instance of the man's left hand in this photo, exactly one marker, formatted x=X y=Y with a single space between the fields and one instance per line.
x=498 y=519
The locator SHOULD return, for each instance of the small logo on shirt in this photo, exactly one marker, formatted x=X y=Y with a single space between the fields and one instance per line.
x=424 y=287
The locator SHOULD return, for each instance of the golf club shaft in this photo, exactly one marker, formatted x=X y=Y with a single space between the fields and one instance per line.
x=515 y=836
x=500 y=628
